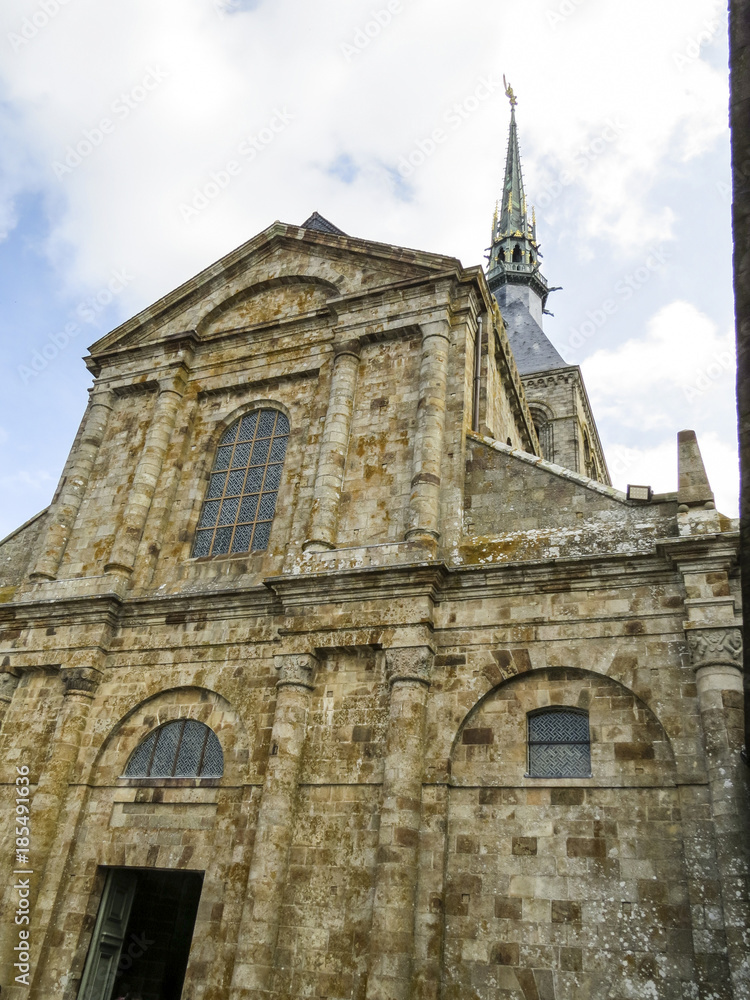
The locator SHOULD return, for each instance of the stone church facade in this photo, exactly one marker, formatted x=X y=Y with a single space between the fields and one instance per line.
x=321 y=681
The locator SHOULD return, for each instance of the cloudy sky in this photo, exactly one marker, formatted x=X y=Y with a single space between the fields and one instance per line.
x=144 y=139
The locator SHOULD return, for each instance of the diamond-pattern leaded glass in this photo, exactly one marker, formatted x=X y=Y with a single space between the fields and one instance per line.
x=203 y=543
x=223 y=458
x=162 y=765
x=229 y=436
x=247 y=427
x=559 y=744
x=260 y=536
x=140 y=759
x=243 y=488
x=229 y=510
x=181 y=749
x=210 y=513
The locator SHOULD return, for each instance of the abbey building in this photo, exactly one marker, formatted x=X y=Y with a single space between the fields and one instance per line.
x=337 y=668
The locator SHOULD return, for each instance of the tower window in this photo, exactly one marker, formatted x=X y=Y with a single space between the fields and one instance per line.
x=181 y=749
x=559 y=744
x=241 y=498
x=516 y=254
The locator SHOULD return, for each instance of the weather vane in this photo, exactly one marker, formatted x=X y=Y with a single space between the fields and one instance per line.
x=509 y=93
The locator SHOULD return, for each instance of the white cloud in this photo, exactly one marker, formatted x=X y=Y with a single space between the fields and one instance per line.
x=679 y=375
x=682 y=351
x=226 y=75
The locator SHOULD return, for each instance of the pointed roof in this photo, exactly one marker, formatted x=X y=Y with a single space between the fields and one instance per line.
x=513 y=207
x=532 y=348
x=321 y=225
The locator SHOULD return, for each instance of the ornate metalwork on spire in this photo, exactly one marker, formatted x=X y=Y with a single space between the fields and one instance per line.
x=514 y=254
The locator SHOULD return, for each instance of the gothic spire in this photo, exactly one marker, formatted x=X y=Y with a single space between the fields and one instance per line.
x=513 y=221
x=514 y=273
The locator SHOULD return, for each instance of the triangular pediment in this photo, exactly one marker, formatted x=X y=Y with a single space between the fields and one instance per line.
x=285 y=271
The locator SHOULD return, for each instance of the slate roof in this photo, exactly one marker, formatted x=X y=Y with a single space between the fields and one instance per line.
x=533 y=351
x=322 y=225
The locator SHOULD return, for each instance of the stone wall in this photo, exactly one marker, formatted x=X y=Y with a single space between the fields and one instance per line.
x=375 y=835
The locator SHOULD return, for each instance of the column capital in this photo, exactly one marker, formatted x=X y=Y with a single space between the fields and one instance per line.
x=348 y=348
x=80 y=680
x=436 y=328
x=101 y=395
x=715 y=646
x=409 y=663
x=8 y=684
x=296 y=669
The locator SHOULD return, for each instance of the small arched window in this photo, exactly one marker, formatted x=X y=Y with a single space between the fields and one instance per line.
x=181 y=749
x=241 y=497
x=559 y=743
x=544 y=431
x=517 y=254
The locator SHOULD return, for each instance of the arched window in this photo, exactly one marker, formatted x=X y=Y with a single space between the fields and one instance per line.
x=559 y=743
x=544 y=428
x=241 y=497
x=588 y=459
x=181 y=749
x=516 y=254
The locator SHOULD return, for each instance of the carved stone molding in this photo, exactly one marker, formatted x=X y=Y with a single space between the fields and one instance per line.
x=8 y=684
x=409 y=663
x=297 y=669
x=80 y=680
x=715 y=647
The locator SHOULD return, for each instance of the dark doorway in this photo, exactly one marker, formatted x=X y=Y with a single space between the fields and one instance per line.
x=142 y=936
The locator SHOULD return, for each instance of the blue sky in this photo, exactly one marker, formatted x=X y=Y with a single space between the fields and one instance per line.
x=143 y=141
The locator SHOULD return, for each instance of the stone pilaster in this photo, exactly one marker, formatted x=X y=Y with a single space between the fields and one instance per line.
x=424 y=502
x=64 y=511
x=8 y=684
x=48 y=800
x=716 y=656
x=259 y=928
x=391 y=956
x=148 y=470
x=430 y=898
x=333 y=449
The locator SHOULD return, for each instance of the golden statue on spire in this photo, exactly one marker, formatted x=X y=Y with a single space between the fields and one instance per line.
x=509 y=93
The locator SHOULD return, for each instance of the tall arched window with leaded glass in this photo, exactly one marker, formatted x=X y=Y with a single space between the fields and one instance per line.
x=244 y=486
